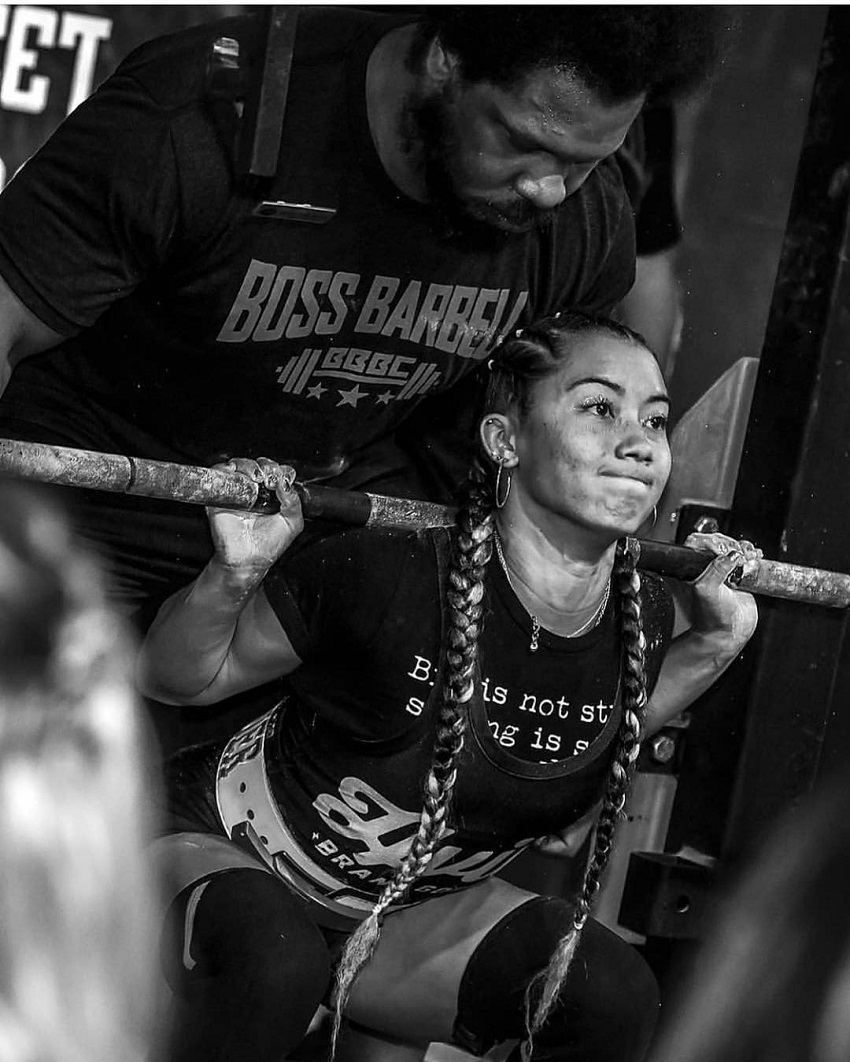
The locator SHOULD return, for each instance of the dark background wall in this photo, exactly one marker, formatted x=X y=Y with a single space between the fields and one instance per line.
x=739 y=151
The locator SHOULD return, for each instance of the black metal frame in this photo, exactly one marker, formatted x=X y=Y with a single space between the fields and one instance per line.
x=779 y=721
x=793 y=491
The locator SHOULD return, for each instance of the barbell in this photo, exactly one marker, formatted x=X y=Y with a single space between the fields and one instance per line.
x=198 y=485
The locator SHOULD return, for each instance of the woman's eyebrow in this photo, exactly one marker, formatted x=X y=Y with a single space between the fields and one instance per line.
x=603 y=380
x=660 y=396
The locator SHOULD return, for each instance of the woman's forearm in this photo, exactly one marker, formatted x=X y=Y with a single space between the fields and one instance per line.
x=219 y=635
x=694 y=661
x=188 y=646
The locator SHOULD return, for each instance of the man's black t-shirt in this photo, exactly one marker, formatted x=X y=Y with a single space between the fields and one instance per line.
x=647 y=163
x=351 y=749
x=208 y=331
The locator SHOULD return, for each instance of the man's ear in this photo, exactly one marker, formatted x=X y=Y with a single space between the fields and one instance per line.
x=499 y=439
x=441 y=66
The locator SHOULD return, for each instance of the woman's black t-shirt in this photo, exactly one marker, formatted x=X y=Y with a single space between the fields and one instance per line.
x=351 y=748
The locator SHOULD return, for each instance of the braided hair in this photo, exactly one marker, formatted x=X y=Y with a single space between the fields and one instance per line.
x=520 y=362
x=544 y=989
x=471 y=551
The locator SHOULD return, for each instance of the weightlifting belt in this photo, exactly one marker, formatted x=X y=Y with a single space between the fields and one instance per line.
x=244 y=795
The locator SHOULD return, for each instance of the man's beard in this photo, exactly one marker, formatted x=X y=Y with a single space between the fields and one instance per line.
x=430 y=127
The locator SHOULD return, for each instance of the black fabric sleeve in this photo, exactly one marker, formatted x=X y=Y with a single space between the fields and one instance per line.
x=616 y=272
x=335 y=589
x=647 y=164
x=94 y=210
x=657 y=225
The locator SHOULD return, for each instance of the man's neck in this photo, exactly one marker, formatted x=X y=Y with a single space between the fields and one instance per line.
x=389 y=87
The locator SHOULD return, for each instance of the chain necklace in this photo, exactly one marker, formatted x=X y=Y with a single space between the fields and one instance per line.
x=588 y=624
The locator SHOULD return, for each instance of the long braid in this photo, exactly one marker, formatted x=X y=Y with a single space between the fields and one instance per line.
x=470 y=554
x=542 y=992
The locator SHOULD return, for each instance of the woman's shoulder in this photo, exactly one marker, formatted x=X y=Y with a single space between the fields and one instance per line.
x=655 y=593
x=363 y=544
x=352 y=557
x=658 y=612
x=344 y=585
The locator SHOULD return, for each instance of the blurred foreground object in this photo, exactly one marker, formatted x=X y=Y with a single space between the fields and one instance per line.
x=771 y=986
x=77 y=901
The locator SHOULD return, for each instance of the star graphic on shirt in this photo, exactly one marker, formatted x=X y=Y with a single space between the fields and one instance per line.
x=385 y=398
x=317 y=391
x=351 y=397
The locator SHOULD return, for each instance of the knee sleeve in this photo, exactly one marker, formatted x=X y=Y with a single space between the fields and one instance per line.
x=248 y=969
x=608 y=1005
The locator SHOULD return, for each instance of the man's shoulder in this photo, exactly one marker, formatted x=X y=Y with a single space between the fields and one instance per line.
x=593 y=218
x=610 y=181
x=177 y=68
x=326 y=31
x=603 y=193
x=590 y=244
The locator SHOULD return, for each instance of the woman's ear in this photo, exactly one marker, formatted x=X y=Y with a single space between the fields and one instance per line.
x=499 y=439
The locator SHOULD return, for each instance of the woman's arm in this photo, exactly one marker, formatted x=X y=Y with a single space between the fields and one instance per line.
x=722 y=621
x=219 y=635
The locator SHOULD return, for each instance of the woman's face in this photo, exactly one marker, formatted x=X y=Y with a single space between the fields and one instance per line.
x=593 y=446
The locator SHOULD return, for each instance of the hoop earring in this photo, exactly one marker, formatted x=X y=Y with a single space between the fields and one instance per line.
x=500 y=503
x=654 y=517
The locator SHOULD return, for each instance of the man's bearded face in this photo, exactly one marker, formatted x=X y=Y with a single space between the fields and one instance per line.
x=507 y=157
x=445 y=171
